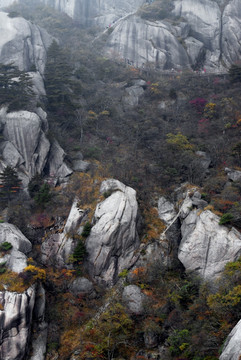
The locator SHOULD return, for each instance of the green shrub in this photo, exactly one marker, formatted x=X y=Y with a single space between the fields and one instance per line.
x=123 y=273
x=86 y=230
x=226 y=218
x=79 y=252
x=5 y=246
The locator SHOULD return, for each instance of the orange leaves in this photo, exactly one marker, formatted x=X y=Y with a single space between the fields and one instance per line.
x=139 y=271
x=154 y=226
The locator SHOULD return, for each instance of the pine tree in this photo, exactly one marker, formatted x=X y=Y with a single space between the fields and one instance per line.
x=10 y=183
x=57 y=79
x=15 y=87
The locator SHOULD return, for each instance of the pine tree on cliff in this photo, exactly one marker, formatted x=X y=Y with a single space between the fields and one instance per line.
x=57 y=80
x=15 y=87
x=9 y=183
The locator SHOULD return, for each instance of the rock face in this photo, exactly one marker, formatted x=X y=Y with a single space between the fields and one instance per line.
x=206 y=246
x=113 y=239
x=198 y=33
x=15 y=323
x=57 y=248
x=22 y=43
x=232 y=346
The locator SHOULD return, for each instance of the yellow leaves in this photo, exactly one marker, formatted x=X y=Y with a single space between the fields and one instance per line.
x=179 y=141
x=210 y=111
x=92 y=115
x=231 y=299
x=36 y=272
x=104 y=113
x=155 y=88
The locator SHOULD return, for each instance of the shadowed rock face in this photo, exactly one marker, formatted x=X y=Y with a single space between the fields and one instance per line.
x=113 y=239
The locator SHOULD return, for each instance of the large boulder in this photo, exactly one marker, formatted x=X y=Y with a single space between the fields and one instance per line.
x=26 y=147
x=16 y=258
x=22 y=43
x=113 y=240
x=206 y=247
x=82 y=286
x=23 y=135
x=232 y=345
x=134 y=299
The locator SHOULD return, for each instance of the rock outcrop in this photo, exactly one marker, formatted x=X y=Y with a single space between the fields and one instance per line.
x=113 y=239
x=206 y=246
x=203 y=246
x=232 y=345
x=22 y=43
x=15 y=323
